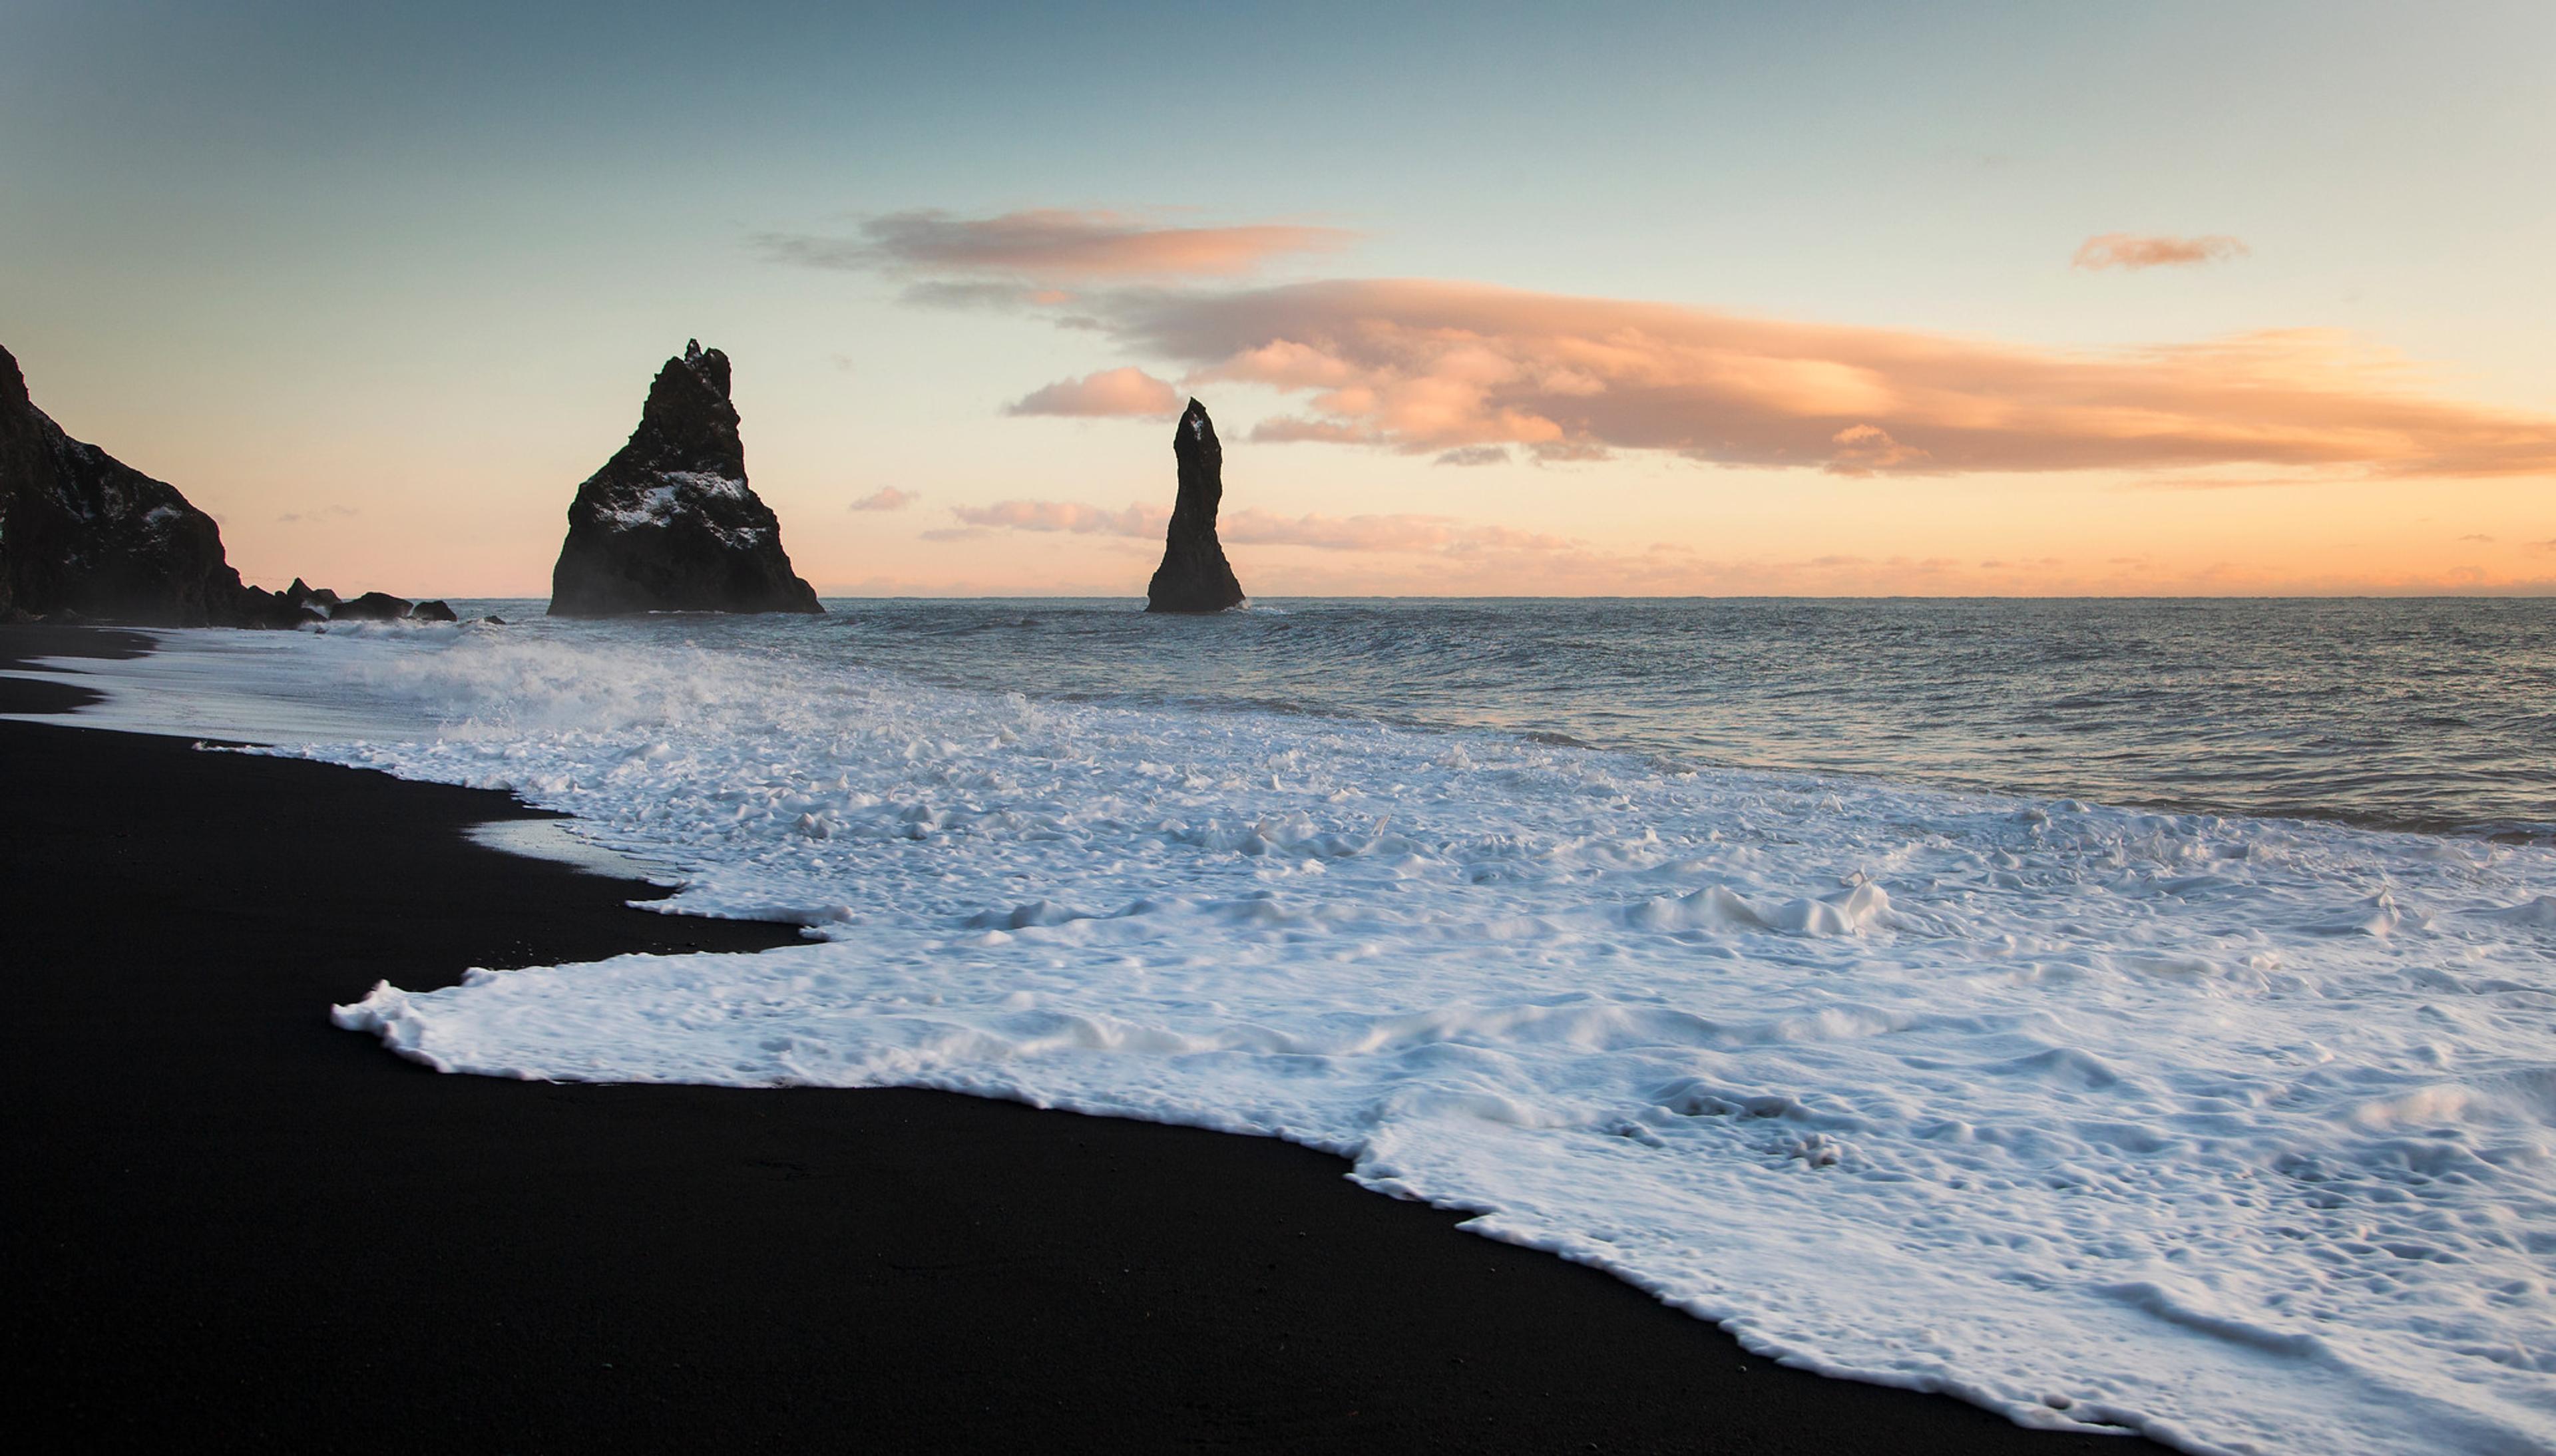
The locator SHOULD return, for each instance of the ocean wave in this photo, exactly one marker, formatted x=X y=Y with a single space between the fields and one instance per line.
x=2231 y=1130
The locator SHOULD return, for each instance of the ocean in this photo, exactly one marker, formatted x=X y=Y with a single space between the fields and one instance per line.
x=2121 y=1013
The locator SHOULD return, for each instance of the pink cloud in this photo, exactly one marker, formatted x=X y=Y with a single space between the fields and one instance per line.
x=886 y=498
x=1113 y=392
x=1436 y=534
x=1051 y=246
x=1445 y=556
x=2132 y=251
x=1065 y=515
x=1435 y=366
x=1400 y=533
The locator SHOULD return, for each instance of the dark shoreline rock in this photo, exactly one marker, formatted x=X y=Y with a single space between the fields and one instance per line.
x=669 y=524
x=1195 y=576
x=85 y=537
x=83 y=531
x=372 y=606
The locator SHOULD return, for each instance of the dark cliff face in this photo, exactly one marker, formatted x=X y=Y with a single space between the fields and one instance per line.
x=1195 y=576
x=669 y=524
x=83 y=531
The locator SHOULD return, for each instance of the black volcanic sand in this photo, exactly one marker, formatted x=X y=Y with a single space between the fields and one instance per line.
x=230 y=1224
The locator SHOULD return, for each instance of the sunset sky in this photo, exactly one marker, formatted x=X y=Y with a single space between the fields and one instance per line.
x=2040 y=299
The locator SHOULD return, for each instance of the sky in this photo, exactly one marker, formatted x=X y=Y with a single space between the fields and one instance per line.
x=1613 y=300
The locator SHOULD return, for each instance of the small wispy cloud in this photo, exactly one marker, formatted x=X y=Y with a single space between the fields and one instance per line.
x=1431 y=534
x=2135 y=251
x=324 y=513
x=885 y=498
x=1475 y=455
x=1050 y=245
x=2476 y=535
x=1863 y=449
x=1110 y=393
x=1447 y=555
x=1400 y=533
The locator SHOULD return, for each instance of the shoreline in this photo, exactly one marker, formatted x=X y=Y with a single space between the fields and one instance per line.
x=237 y=1224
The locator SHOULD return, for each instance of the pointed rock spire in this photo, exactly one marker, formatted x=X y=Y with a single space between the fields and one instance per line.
x=1195 y=576
x=669 y=524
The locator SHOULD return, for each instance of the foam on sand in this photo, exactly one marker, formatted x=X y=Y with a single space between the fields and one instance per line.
x=2234 y=1132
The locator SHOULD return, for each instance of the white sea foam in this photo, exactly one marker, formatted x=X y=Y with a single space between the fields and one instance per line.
x=2232 y=1132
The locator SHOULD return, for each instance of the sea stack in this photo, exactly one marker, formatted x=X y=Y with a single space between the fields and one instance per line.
x=669 y=524
x=83 y=533
x=1195 y=576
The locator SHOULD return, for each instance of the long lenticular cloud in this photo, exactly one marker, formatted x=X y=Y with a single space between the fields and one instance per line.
x=1053 y=246
x=1432 y=366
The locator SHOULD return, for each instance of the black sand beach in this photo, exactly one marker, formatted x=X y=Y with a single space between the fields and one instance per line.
x=231 y=1225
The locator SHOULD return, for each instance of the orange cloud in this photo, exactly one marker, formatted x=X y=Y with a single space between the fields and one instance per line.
x=2129 y=250
x=886 y=498
x=1112 y=392
x=1865 y=449
x=1051 y=246
x=1434 y=366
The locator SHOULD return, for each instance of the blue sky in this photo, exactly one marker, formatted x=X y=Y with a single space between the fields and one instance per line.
x=402 y=274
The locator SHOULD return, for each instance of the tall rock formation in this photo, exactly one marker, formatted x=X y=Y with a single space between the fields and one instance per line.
x=1195 y=576
x=83 y=531
x=669 y=524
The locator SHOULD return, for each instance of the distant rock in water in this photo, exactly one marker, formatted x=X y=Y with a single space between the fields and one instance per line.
x=1195 y=576
x=372 y=606
x=669 y=524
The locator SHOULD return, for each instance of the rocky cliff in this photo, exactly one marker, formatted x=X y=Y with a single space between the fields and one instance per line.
x=84 y=535
x=83 y=531
x=1195 y=576
x=669 y=524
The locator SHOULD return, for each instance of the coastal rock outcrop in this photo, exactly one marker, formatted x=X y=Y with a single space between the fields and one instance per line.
x=81 y=532
x=1195 y=576
x=669 y=524
x=372 y=606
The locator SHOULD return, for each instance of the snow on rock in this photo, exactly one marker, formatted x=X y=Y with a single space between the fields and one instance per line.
x=669 y=524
